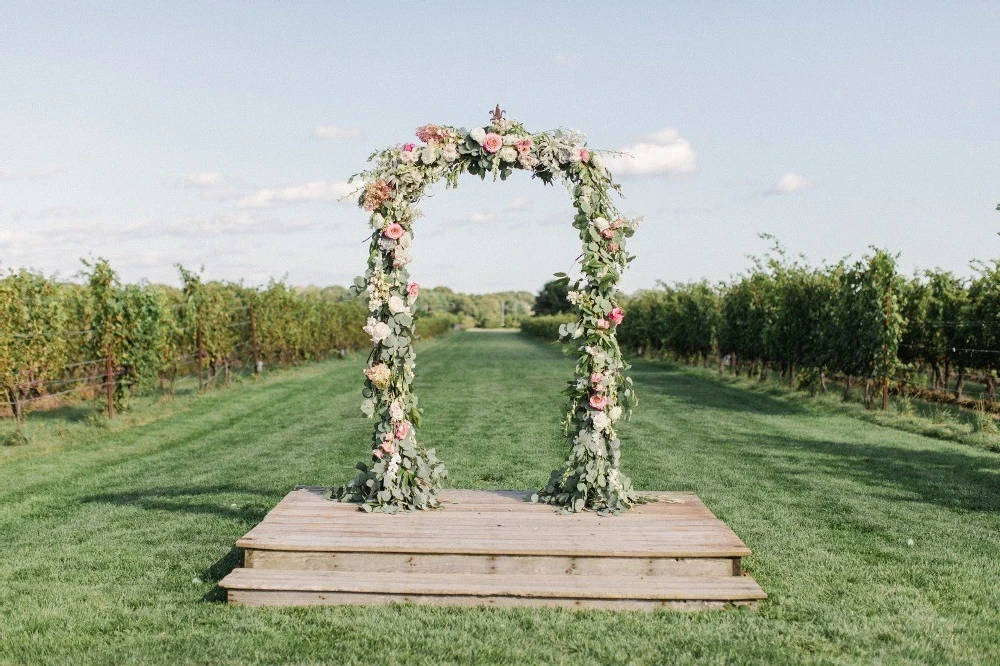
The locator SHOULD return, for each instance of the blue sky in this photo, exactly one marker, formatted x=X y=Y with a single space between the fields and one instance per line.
x=219 y=134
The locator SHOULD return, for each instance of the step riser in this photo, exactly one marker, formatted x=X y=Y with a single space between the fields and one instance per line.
x=286 y=598
x=496 y=564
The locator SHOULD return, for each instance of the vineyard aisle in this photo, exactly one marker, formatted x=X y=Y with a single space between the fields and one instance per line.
x=874 y=545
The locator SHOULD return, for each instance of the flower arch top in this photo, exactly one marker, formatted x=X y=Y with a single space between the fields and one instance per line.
x=402 y=473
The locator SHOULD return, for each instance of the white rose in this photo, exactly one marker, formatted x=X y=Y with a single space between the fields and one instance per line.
x=406 y=240
x=378 y=330
x=428 y=155
x=601 y=421
x=397 y=305
x=401 y=257
x=615 y=413
x=377 y=221
x=449 y=153
x=478 y=134
x=508 y=154
x=601 y=223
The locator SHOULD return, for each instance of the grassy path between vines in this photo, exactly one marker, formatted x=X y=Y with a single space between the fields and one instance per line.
x=111 y=545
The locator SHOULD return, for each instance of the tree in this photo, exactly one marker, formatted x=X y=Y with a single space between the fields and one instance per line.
x=552 y=298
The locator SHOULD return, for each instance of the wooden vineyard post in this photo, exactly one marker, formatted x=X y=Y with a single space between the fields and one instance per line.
x=885 y=350
x=254 y=349
x=109 y=383
x=201 y=354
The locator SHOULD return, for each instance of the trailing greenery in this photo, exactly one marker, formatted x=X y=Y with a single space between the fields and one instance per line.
x=114 y=538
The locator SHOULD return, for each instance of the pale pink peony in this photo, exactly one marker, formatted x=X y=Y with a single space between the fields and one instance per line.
x=493 y=142
x=596 y=377
x=377 y=453
x=598 y=401
x=524 y=145
x=603 y=325
x=584 y=155
x=394 y=231
x=617 y=315
x=401 y=429
x=413 y=290
x=389 y=447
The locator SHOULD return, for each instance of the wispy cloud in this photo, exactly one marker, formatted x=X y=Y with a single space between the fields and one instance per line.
x=204 y=179
x=334 y=132
x=39 y=174
x=317 y=190
x=520 y=204
x=790 y=182
x=665 y=153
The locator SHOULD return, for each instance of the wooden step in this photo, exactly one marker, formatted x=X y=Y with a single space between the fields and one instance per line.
x=312 y=560
x=276 y=587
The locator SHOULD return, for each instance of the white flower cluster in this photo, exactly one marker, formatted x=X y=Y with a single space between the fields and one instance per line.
x=378 y=330
x=392 y=469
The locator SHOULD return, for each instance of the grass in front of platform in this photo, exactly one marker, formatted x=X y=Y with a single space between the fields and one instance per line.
x=113 y=539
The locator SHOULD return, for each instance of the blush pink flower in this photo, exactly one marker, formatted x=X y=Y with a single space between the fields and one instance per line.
x=413 y=290
x=389 y=448
x=596 y=377
x=613 y=247
x=617 y=315
x=598 y=401
x=493 y=142
x=401 y=429
x=584 y=155
x=393 y=231
x=377 y=453
x=603 y=325
x=524 y=145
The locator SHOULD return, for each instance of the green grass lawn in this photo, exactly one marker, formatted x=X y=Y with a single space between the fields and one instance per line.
x=111 y=540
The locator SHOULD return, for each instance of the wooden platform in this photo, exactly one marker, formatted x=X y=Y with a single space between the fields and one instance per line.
x=492 y=548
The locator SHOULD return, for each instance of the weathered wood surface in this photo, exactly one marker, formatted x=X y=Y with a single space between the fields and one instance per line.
x=497 y=523
x=493 y=548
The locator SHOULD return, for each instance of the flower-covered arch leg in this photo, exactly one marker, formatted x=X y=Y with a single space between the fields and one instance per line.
x=401 y=473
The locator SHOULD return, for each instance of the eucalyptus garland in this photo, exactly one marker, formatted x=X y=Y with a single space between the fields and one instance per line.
x=401 y=473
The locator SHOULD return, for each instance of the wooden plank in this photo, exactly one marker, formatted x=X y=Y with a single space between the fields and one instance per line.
x=292 y=598
x=491 y=564
x=652 y=588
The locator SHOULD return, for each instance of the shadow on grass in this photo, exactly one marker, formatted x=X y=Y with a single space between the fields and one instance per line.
x=952 y=479
x=703 y=393
x=191 y=500
x=221 y=568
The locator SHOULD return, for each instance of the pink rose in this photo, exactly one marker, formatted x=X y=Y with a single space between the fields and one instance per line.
x=493 y=142
x=377 y=453
x=408 y=147
x=603 y=325
x=596 y=377
x=524 y=145
x=393 y=231
x=608 y=233
x=401 y=429
x=584 y=155
x=617 y=315
x=389 y=448
x=598 y=401
x=413 y=290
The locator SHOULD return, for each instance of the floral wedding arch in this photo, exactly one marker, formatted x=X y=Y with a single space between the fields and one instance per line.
x=401 y=473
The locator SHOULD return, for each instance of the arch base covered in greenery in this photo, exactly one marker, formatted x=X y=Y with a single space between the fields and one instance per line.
x=403 y=474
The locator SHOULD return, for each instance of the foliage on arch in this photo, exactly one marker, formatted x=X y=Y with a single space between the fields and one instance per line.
x=403 y=474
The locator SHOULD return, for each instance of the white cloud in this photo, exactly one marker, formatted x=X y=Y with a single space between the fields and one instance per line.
x=224 y=224
x=665 y=153
x=6 y=174
x=790 y=182
x=317 y=190
x=204 y=179
x=521 y=203
x=333 y=132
